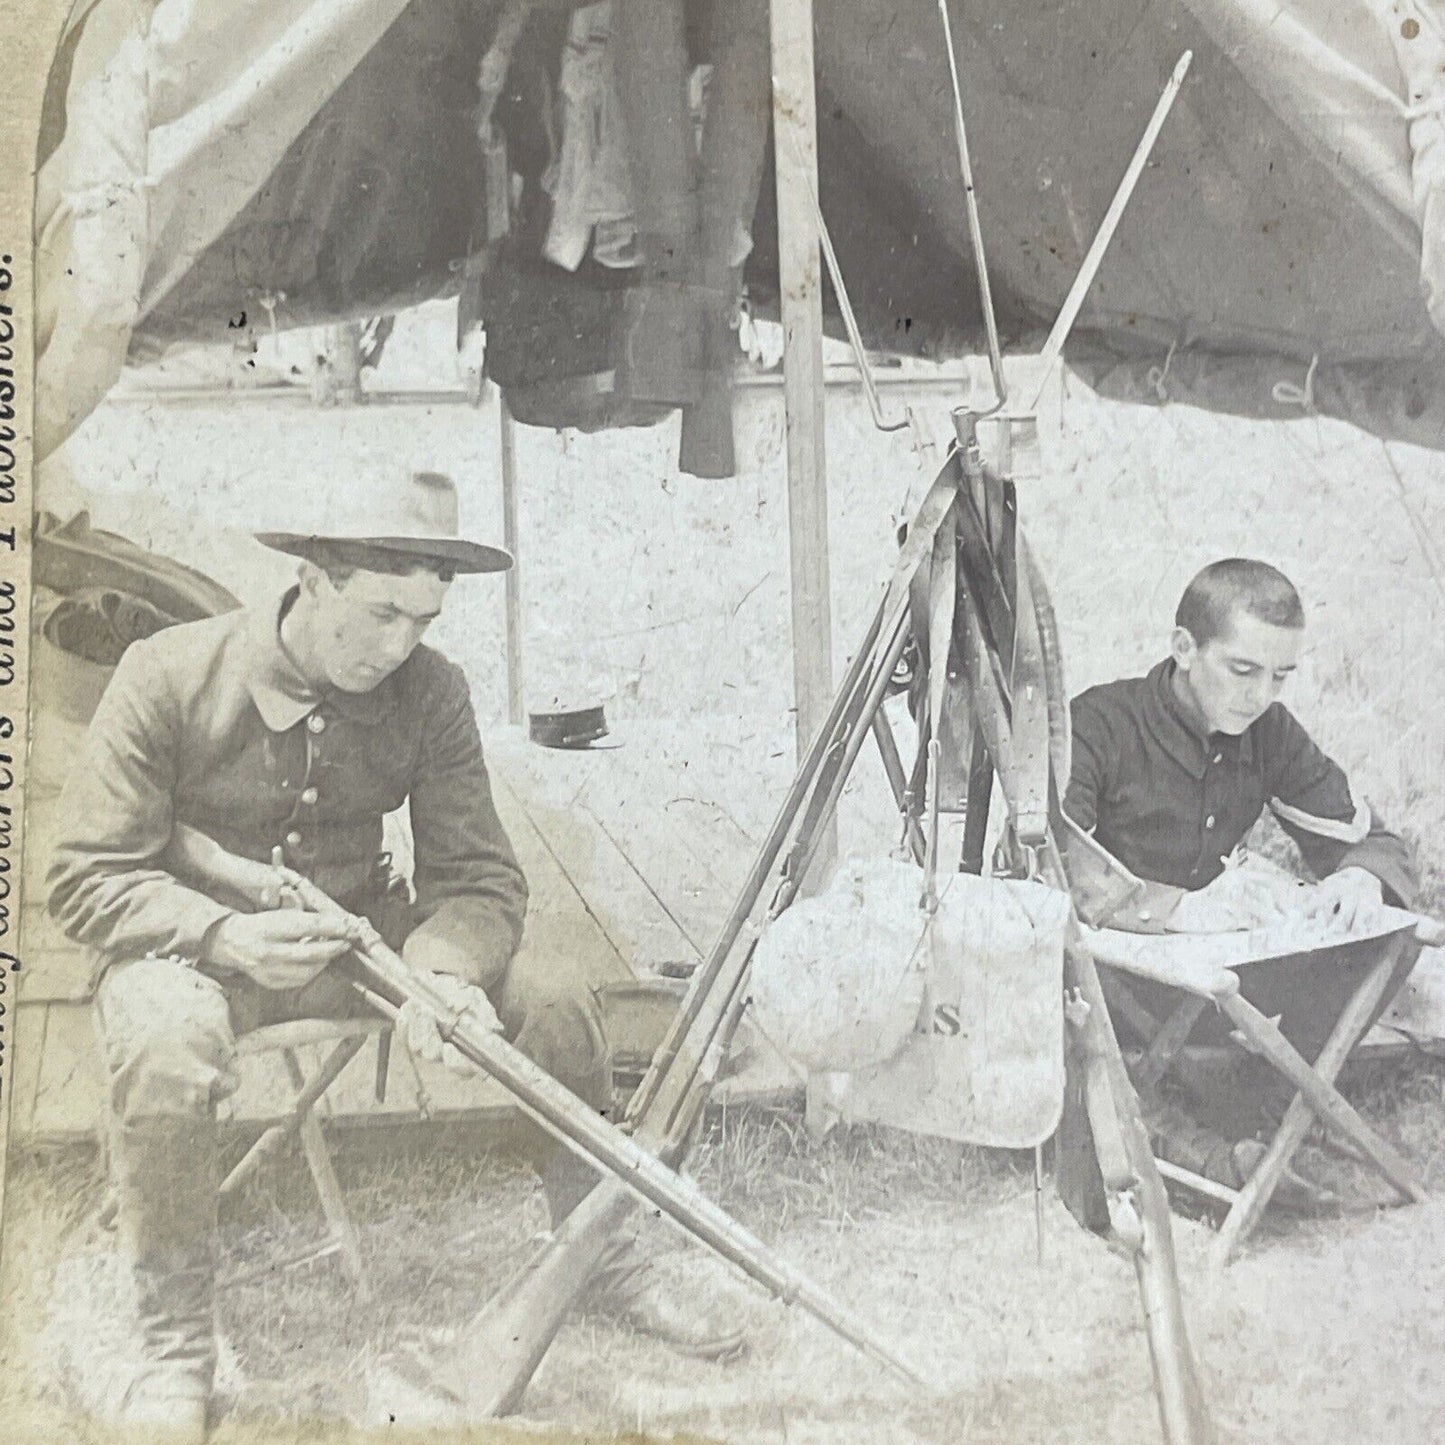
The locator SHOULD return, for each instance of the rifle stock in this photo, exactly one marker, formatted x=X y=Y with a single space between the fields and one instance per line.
x=489 y=1369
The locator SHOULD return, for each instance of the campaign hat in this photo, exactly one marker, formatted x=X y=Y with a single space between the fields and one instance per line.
x=414 y=514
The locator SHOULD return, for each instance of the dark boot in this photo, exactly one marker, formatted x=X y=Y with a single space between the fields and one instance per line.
x=1181 y=1140
x=165 y=1175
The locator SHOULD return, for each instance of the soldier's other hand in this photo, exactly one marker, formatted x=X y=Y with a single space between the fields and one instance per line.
x=1344 y=899
x=421 y=1032
x=281 y=949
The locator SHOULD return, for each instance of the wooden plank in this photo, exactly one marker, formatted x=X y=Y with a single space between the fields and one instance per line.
x=70 y=1091
x=549 y=786
x=559 y=919
x=56 y=970
x=596 y=793
x=795 y=155
x=28 y=1045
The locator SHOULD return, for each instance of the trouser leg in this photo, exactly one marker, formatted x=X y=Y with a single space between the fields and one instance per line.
x=169 y=1048
x=551 y=1013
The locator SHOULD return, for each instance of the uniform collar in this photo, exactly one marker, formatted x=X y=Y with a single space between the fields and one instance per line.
x=1180 y=736
x=283 y=695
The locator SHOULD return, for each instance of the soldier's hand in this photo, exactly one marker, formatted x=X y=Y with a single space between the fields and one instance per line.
x=281 y=949
x=419 y=1029
x=1344 y=898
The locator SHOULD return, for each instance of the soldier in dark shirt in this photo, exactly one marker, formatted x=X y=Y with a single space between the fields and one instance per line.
x=1171 y=771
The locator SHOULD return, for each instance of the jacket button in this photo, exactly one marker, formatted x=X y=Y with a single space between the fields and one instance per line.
x=309 y=796
x=316 y=723
x=293 y=840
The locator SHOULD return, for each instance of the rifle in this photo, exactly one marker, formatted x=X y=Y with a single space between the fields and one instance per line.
x=386 y=982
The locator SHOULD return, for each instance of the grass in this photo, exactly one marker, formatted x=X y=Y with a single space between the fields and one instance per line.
x=932 y=1240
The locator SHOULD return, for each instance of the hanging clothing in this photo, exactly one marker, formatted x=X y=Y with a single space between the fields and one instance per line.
x=591 y=181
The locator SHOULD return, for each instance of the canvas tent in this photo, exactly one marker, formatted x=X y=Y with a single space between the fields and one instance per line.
x=215 y=165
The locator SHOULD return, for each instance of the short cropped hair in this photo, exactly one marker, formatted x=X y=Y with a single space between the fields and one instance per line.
x=1237 y=584
x=339 y=560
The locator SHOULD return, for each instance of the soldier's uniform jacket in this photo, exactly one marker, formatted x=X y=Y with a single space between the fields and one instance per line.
x=210 y=724
x=1171 y=803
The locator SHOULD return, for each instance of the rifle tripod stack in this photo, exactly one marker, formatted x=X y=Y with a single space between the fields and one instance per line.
x=984 y=617
x=966 y=579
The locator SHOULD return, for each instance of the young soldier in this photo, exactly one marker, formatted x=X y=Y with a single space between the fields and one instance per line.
x=1172 y=770
x=297 y=725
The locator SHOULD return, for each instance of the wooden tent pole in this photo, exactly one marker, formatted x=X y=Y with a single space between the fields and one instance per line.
x=510 y=529
x=795 y=159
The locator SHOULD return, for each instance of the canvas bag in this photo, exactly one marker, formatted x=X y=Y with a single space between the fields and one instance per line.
x=985 y=1061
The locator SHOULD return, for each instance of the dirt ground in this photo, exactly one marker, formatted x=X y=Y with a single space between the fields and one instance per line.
x=668 y=596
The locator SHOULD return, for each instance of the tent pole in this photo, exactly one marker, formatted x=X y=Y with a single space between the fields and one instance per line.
x=795 y=158
x=507 y=429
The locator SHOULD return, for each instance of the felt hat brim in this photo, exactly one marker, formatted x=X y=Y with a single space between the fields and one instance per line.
x=458 y=554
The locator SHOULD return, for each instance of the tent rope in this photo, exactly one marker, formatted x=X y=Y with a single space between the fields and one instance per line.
x=1156 y=376
x=1286 y=393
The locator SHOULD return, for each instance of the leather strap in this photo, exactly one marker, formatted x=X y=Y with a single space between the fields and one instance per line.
x=1029 y=718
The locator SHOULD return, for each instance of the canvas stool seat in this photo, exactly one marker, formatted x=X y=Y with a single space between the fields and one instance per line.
x=341 y=1039
x=1196 y=976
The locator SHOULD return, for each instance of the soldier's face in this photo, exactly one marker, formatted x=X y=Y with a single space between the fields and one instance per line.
x=366 y=628
x=1233 y=678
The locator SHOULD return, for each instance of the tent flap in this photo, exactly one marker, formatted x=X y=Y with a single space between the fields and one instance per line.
x=320 y=157
x=177 y=112
x=91 y=217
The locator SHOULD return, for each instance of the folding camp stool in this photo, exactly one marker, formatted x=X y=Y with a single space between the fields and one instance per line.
x=1316 y=1097
x=347 y=1037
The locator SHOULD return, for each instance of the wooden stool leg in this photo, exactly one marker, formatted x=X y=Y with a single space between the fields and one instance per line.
x=1351 y=1024
x=1165 y=1044
x=328 y=1187
x=1184 y=1411
x=277 y=1135
x=333 y=1205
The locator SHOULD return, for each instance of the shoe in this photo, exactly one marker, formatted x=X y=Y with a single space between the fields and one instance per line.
x=671 y=1300
x=1294 y=1192
x=165 y=1407
x=1176 y=1137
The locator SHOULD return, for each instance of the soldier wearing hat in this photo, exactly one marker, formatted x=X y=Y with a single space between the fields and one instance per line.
x=298 y=725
